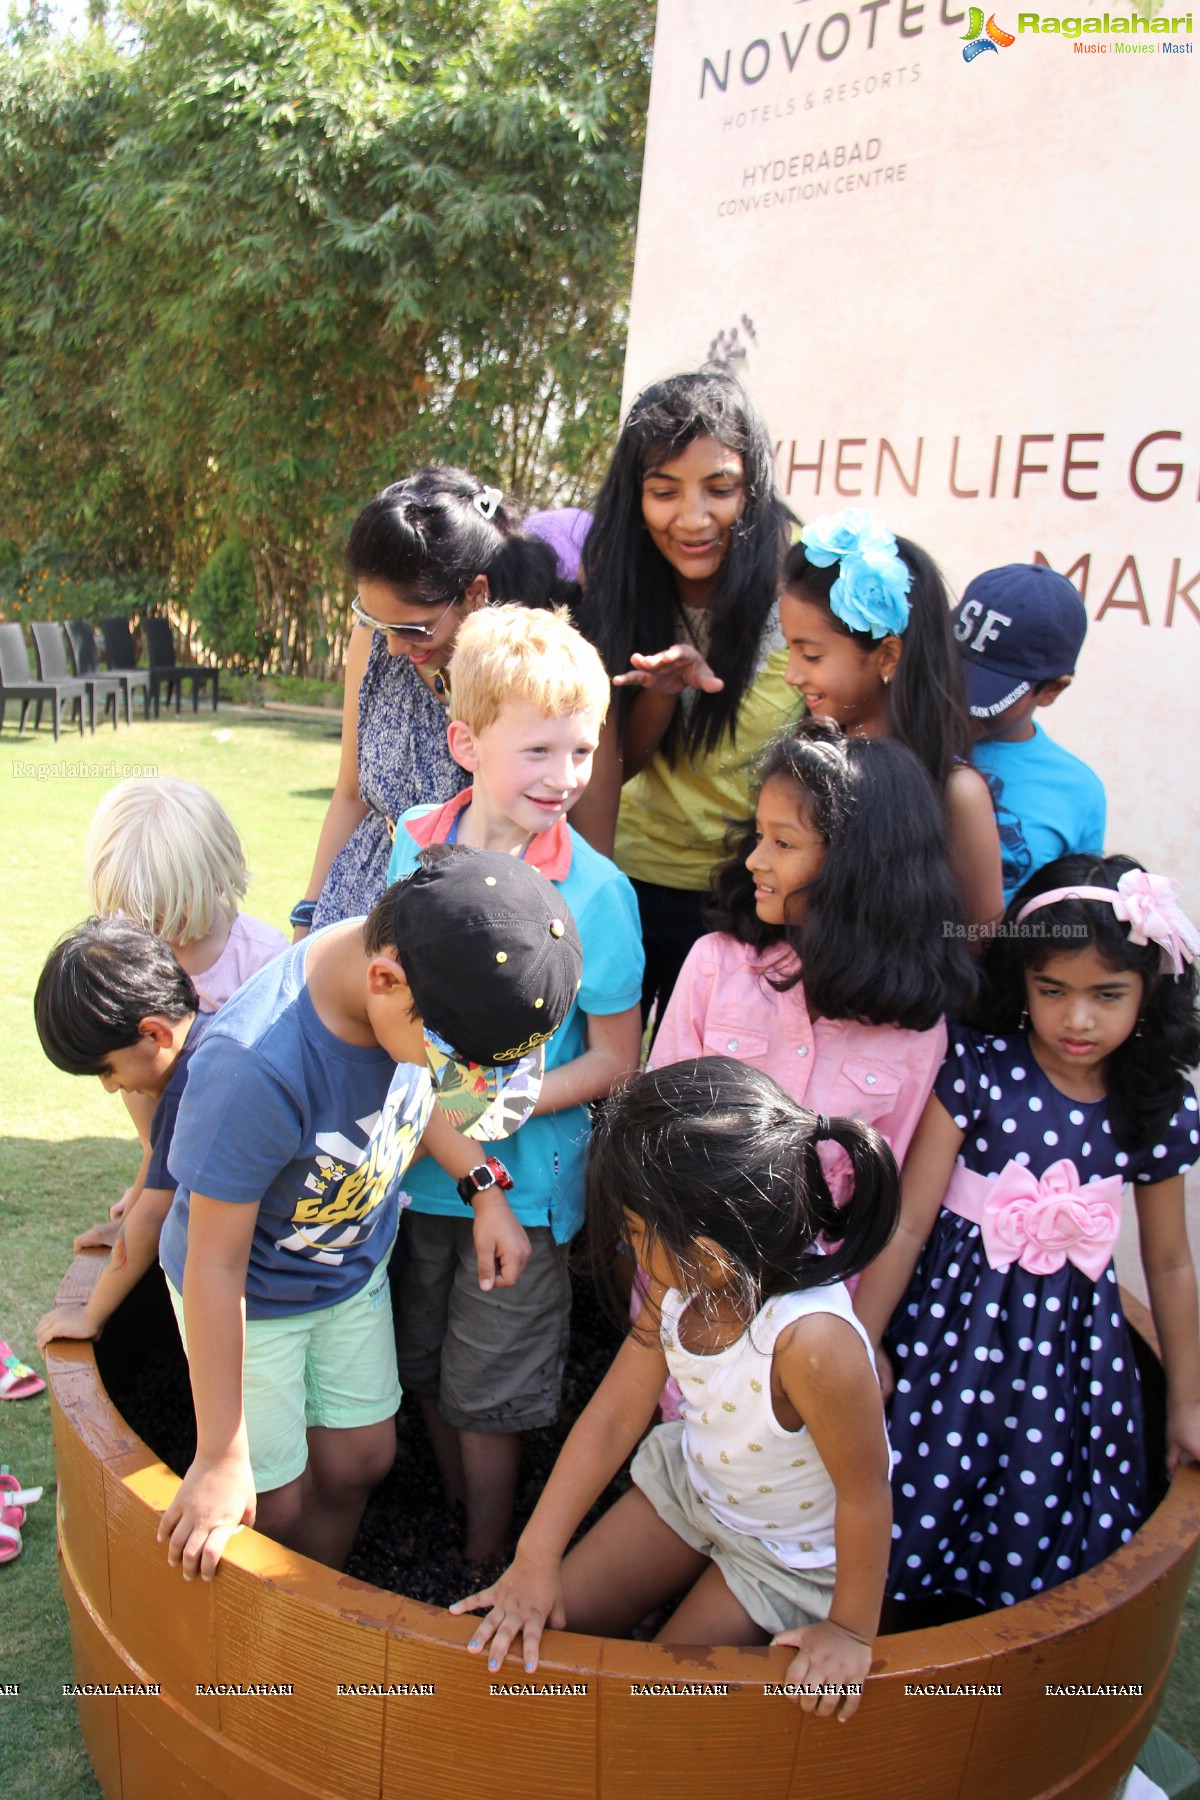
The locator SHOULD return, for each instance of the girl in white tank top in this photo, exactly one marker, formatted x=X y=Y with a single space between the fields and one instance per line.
x=766 y=1506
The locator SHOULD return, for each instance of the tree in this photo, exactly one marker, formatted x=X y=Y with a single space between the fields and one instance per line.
x=302 y=249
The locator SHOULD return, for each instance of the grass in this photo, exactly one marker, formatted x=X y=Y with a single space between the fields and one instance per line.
x=68 y=1147
x=68 y=1150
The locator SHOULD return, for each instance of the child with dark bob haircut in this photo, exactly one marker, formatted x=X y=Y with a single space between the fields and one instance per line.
x=112 y=1001
x=768 y=1508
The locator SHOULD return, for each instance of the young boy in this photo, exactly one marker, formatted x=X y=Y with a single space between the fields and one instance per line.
x=112 y=1001
x=303 y=1108
x=1020 y=630
x=528 y=696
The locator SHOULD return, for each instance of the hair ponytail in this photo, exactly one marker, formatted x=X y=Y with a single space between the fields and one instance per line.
x=711 y=1148
x=867 y=1220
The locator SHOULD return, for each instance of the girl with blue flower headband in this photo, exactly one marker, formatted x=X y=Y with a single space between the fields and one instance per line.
x=867 y=621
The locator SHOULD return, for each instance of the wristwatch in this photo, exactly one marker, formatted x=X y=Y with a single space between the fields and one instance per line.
x=484 y=1175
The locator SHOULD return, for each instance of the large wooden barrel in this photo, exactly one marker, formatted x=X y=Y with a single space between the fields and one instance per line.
x=1053 y=1696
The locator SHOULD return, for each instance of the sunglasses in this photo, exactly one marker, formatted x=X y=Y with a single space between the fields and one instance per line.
x=411 y=634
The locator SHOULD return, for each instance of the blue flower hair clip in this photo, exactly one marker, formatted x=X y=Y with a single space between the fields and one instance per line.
x=870 y=593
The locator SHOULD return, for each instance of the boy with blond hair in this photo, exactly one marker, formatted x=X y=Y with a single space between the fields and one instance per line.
x=528 y=696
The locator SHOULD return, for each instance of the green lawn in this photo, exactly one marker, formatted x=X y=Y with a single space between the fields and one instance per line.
x=68 y=1148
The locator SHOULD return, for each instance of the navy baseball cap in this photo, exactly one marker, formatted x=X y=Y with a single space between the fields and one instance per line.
x=1015 y=627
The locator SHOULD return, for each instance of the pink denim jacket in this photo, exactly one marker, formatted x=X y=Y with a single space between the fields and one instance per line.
x=724 y=1006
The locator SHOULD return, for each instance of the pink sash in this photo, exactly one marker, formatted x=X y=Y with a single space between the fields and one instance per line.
x=1039 y=1224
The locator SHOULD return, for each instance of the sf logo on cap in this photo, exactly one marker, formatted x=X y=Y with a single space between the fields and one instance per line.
x=968 y=617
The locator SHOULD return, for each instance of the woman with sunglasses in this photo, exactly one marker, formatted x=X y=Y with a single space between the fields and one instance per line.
x=424 y=554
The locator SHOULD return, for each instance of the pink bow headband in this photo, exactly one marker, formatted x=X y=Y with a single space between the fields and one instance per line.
x=1148 y=904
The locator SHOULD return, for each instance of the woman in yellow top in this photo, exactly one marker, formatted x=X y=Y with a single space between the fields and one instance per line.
x=681 y=578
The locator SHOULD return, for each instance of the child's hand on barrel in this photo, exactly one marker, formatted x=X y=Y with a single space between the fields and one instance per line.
x=64 y=1322
x=1183 y=1432
x=214 y=1500
x=525 y=1599
x=827 y=1656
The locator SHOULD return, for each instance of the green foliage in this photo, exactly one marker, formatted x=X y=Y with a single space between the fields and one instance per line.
x=224 y=607
x=261 y=257
x=52 y=584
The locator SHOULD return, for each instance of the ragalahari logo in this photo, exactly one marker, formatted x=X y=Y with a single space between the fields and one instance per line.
x=974 y=41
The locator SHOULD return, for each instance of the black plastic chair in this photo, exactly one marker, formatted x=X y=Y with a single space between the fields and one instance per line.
x=81 y=636
x=17 y=683
x=118 y=648
x=161 y=647
x=50 y=645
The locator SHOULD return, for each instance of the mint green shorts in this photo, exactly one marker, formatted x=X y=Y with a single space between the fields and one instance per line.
x=334 y=1367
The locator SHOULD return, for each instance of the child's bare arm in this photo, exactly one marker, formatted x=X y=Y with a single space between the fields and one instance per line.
x=1171 y=1284
x=827 y=1375
x=613 y=1043
x=923 y=1182
x=217 y=1494
x=134 y=1251
x=528 y=1596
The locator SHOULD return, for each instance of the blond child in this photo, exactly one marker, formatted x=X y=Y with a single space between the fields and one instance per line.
x=165 y=854
x=528 y=696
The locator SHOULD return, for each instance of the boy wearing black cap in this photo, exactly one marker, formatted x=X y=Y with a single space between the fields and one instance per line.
x=304 y=1107
x=1019 y=630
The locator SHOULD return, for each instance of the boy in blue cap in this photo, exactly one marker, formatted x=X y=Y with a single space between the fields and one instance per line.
x=1019 y=631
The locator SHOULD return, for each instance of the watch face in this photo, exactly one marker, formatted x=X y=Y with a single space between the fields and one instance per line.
x=482 y=1177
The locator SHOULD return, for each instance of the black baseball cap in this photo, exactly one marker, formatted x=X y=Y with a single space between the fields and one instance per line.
x=1015 y=627
x=494 y=962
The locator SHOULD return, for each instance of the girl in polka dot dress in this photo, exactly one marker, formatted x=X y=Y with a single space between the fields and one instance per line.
x=1016 y=1421
x=766 y=1506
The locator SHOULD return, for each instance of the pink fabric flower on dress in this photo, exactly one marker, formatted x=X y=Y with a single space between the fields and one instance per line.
x=1039 y=1224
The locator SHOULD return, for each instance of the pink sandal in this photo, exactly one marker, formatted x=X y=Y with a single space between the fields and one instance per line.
x=17 y=1380
x=12 y=1515
x=14 y=1499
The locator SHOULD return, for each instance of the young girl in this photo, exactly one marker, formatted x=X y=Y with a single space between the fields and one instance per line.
x=165 y=854
x=767 y=1505
x=866 y=618
x=1017 y=1415
x=680 y=584
x=831 y=967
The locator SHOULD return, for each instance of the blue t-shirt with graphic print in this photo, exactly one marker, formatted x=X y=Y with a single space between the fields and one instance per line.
x=280 y=1112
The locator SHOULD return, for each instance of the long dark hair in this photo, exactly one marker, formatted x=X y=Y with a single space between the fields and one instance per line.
x=631 y=600
x=1143 y=1076
x=927 y=702
x=880 y=936
x=714 y=1148
x=427 y=535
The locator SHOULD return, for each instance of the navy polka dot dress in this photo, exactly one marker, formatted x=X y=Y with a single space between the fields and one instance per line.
x=1016 y=1422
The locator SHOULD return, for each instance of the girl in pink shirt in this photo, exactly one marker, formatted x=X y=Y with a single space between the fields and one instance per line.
x=841 y=943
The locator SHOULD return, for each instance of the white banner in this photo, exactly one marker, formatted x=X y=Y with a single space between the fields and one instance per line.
x=954 y=256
